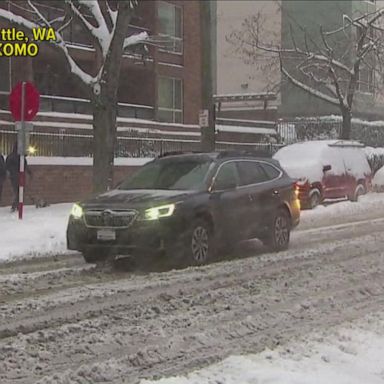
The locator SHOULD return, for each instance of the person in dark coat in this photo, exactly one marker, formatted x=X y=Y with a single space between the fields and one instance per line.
x=3 y=173
x=12 y=164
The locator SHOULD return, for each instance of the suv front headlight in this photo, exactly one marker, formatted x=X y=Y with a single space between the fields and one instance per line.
x=77 y=211
x=158 y=212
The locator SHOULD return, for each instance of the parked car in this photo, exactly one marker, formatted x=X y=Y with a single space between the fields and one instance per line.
x=188 y=206
x=378 y=181
x=329 y=169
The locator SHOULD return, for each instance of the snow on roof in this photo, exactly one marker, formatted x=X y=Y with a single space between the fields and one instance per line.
x=240 y=129
x=306 y=159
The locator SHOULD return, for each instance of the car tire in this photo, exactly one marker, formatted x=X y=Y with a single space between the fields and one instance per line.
x=359 y=191
x=94 y=255
x=279 y=234
x=200 y=244
x=314 y=198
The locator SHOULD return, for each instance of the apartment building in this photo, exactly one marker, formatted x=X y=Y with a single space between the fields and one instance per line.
x=235 y=74
x=164 y=84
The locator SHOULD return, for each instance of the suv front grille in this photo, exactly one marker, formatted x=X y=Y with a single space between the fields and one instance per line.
x=109 y=218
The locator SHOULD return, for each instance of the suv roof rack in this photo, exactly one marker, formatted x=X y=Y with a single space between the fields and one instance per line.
x=175 y=153
x=245 y=153
x=346 y=143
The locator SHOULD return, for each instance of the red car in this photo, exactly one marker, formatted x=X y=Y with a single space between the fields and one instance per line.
x=329 y=169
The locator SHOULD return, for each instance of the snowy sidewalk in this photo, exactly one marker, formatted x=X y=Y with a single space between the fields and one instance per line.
x=42 y=231
x=352 y=354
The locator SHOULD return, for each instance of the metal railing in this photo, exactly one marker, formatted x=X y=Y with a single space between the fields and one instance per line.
x=83 y=106
x=76 y=145
x=291 y=131
x=323 y=128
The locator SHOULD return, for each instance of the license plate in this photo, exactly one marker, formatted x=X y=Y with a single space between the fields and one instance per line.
x=106 y=234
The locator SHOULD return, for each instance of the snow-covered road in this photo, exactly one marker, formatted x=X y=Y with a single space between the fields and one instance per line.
x=42 y=231
x=62 y=321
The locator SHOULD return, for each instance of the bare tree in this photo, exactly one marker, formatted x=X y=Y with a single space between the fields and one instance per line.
x=328 y=65
x=106 y=23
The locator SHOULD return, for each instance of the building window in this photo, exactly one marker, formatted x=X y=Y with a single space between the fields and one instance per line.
x=366 y=80
x=170 y=100
x=366 y=74
x=171 y=26
x=5 y=71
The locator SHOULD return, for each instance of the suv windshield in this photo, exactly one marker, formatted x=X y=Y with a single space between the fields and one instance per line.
x=188 y=174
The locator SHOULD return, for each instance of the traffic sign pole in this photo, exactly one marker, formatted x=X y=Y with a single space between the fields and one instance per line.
x=22 y=154
x=23 y=104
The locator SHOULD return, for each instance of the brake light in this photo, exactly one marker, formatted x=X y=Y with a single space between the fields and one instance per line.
x=296 y=189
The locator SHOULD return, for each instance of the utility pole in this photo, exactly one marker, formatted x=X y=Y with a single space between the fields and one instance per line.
x=208 y=127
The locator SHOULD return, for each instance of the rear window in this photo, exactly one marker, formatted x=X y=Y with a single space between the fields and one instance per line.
x=271 y=171
x=356 y=162
x=251 y=172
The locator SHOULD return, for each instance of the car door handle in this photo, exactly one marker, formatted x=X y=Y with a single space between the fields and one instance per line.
x=276 y=193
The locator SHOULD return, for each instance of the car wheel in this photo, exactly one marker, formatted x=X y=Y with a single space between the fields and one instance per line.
x=279 y=233
x=360 y=190
x=200 y=244
x=94 y=255
x=314 y=199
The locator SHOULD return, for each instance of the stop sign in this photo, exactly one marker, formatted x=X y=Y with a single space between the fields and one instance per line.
x=31 y=104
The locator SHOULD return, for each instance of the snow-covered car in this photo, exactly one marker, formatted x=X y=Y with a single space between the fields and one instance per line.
x=328 y=169
x=187 y=206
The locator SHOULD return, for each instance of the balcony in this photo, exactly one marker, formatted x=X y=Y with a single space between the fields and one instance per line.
x=83 y=106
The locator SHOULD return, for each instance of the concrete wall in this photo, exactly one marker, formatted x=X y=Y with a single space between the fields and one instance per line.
x=232 y=72
x=312 y=15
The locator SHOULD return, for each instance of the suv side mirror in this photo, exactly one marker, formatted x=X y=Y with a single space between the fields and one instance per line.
x=327 y=168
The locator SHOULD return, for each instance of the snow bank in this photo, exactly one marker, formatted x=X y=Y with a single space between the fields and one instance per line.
x=41 y=232
x=352 y=354
x=341 y=211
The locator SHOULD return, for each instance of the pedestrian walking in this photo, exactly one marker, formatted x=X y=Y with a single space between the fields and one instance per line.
x=12 y=164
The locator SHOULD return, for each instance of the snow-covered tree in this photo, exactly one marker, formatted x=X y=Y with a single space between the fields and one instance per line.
x=106 y=22
x=328 y=64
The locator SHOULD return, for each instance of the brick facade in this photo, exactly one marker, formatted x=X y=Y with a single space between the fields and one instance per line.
x=138 y=77
x=60 y=183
